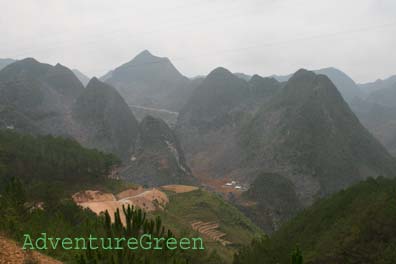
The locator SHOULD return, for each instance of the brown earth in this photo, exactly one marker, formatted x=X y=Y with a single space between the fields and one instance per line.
x=12 y=253
x=209 y=229
x=130 y=192
x=218 y=186
x=179 y=188
x=98 y=202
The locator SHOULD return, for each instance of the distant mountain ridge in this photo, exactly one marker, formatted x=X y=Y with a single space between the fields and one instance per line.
x=38 y=98
x=293 y=127
x=106 y=119
x=347 y=87
x=150 y=81
x=208 y=124
x=81 y=76
x=303 y=131
x=5 y=62
x=377 y=111
x=379 y=84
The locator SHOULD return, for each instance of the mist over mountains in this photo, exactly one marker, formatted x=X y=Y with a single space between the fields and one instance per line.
x=150 y=81
x=41 y=99
x=81 y=76
x=5 y=62
x=288 y=141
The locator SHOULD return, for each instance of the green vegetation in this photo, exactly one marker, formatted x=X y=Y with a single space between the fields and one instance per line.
x=356 y=225
x=53 y=165
x=289 y=132
x=38 y=175
x=109 y=123
x=275 y=201
x=138 y=224
x=186 y=208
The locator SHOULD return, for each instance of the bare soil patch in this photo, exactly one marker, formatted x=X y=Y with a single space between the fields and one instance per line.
x=98 y=202
x=12 y=253
x=179 y=188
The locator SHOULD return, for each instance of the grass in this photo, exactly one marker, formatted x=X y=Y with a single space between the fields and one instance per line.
x=201 y=205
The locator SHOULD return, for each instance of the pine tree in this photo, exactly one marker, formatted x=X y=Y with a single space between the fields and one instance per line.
x=297 y=257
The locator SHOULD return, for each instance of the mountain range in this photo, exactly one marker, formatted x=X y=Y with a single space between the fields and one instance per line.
x=150 y=81
x=295 y=133
x=39 y=98
x=5 y=62
x=347 y=87
x=81 y=76
x=302 y=131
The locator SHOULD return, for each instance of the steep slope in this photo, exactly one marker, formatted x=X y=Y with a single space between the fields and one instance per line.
x=347 y=87
x=36 y=97
x=150 y=81
x=377 y=112
x=158 y=159
x=189 y=209
x=270 y=201
x=302 y=131
x=81 y=76
x=208 y=123
x=263 y=87
x=11 y=252
x=218 y=94
x=379 y=119
x=104 y=120
x=243 y=76
x=5 y=62
x=308 y=134
x=353 y=226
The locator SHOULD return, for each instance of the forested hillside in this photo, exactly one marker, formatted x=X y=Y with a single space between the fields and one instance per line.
x=38 y=175
x=356 y=225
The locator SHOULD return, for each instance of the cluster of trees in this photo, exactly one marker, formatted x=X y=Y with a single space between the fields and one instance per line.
x=37 y=177
x=51 y=158
x=137 y=224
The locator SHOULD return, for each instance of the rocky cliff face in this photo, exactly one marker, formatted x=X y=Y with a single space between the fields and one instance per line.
x=36 y=97
x=105 y=120
x=303 y=132
x=209 y=124
x=158 y=159
x=308 y=134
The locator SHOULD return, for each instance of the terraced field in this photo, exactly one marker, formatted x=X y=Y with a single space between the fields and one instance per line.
x=201 y=213
x=209 y=229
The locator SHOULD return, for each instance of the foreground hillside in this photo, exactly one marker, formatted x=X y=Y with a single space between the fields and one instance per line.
x=11 y=252
x=223 y=227
x=41 y=99
x=39 y=174
x=187 y=210
x=356 y=225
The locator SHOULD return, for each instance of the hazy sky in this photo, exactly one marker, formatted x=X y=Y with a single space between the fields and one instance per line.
x=252 y=36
